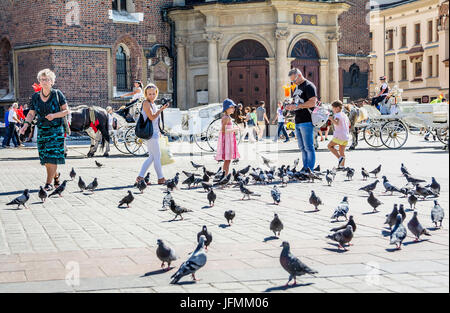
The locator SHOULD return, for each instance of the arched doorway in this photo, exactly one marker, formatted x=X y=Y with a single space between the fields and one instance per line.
x=307 y=60
x=248 y=73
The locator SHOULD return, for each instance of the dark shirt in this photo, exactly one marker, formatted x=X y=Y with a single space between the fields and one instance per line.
x=302 y=94
x=51 y=106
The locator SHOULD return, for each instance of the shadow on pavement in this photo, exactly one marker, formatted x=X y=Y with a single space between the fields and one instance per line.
x=270 y=238
x=157 y=272
x=287 y=287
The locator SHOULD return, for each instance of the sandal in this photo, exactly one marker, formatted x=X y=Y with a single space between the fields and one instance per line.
x=161 y=181
x=48 y=187
x=56 y=180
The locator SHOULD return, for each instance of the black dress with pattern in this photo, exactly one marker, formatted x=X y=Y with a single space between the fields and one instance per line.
x=50 y=136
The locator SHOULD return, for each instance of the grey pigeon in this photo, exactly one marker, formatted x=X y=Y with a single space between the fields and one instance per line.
x=416 y=228
x=341 y=210
x=206 y=186
x=59 y=190
x=376 y=171
x=412 y=200
x=296 y=161
x=315 y=200
x=246 y=192
x=244 y=171
x=165 y=254
x=424 y=192
x=223 y=182
x=350 y=173
x=211 y=197
x=392 y=217
x=329 y=178
x=195 y=262
x=276 y=194
x=189 y=181
x=177 y=209
x=404 y=170
x=127 y=199
x=72 y=174
x=434 y=186
x=389 y=187
x=437 y=214
x=141 y=185
x=81 y=184
x=93 y=185
x=276 y=225
x=398 y=233
x=364 y=173
x=350 y=222
x=196 y=166
x=229 y=215
x=42 y=194
x=374 y=202
x=292 y=264
x=343 y=236
x=166 y=200
x=205 y=232
x=21 y=200
x=413 y=181
x=98 y=164
x=401 y=210
x=370 y=187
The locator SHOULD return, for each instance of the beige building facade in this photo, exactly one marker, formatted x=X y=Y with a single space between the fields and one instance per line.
x=244 y=51
x=410 y=46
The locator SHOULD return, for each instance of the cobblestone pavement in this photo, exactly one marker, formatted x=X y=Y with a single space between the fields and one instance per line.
x=114 y=249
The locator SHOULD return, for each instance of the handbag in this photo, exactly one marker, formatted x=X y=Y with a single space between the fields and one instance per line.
x=166 y=154
x=143 y=129
x=319 y=116
x=65 y=121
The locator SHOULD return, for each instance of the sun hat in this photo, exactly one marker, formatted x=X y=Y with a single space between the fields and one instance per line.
x=227 y=103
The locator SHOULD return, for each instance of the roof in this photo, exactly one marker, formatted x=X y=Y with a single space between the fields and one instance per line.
x=388 y=4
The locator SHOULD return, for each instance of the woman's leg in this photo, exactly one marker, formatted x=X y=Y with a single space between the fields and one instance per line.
x=342 y=154
x=51 y=172
x=326 y=133
x=321 y=135
x=226 y=166
x=147 y=162
x=307 y=134
x=155 y=151
x=283 y=130
x=251 y=134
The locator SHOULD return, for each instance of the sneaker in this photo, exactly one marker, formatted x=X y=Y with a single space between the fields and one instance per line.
x=287 y=140
x=48 y=187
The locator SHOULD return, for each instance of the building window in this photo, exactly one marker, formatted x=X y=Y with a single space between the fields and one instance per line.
x=403 y=37
x=391 y=71
x=121 y=70
x=404 y=70
x=371 y=41
x=418 y=100
x=390 y=39
x=417 y=34
x=119 y=5
x=430 y=66
x=430 y=31
x=418 y=69
x=437 y=65
x=437 y=30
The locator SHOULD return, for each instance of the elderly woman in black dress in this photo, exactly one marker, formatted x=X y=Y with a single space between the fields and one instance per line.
x=50 y=106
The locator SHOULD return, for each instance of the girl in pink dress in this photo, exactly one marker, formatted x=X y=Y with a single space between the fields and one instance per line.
x=227 y=149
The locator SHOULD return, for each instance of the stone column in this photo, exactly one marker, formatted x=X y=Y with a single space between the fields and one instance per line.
x=333 y=80
x=223 y=81
x=181 y=73
x=281 y=61
x=213 y=66
x=324 y=80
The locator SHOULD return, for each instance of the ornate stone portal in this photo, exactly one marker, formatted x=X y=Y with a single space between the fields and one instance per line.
x=275 y=26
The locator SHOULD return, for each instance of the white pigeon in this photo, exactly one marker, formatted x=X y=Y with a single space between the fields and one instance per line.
x=166 y=200
x=195 y=262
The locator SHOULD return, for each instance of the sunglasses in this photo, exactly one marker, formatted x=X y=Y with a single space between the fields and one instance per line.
x=44 y=80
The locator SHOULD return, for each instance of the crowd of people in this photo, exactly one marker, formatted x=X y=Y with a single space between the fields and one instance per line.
x=14 y=119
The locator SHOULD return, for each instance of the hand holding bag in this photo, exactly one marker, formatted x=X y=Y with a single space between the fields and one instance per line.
x=144 y=129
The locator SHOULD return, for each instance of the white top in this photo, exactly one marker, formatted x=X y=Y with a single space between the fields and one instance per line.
x=341 y=130
x=138 y=95
x=280 y=115
x=110 y=121
x=384 y=86
x=12 y=114
x=155 y=122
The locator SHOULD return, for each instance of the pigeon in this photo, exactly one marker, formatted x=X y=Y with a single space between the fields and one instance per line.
x=141 y=185
x=127 y=199
x=416 y=228
x=284 y=180
x=166 y=200
x=81 y=184
x=92 y=186
x=424 y=192
x=209 y=173
x=21 y=200
x=292 y=264
x=246 y=192
x=275 y=193
x=312 y=176
x=364 y=173
x=196 y=166
x=189 y=181
x=59 y=190
x=350 y=222
x=343 y=236
x=72 y=174
x=197 y=180
x=388 y=186
x=402 y=212
x=276 y=225
x=266 y=161
x=165 y=254
x=329 y=178
x=412 y=200
x=350 y=173
x=405 y=191
x=404 y=170
x=414 y=181
x=207 y=234
x=244 y=171
x=98 y=164
x=315 y=200
x=195 y=261
x=206 y=177
x=435 y=187
x=317 y=169
x=376 y=171
x=206 y=186
x=229 y=215
x=341 y=210
x=211 y=197
x=171 y=184
x=42 y=194
x=392 y=217
x=224 y=181
x=437 y=214
x=370 y=187
x=177 y=209
x=374 y=202
x=147 y=178
x=398 y=233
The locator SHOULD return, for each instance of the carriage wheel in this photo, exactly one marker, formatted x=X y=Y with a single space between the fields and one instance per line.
x=202 y=142
x=135 y=145
x=212 y=133
x=394 y=134
x=442 y=134
x=119 y=140
x=372 y=135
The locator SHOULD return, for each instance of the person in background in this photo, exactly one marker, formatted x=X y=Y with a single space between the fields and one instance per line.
x=11 y=130
x=5 y=138
x=137 y=93
x=384 y=91
x=281 y=120
x=239 y=117
x=261 y=119
x=249 y=126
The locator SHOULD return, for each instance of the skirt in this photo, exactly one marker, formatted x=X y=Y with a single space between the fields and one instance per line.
x=50 y=144
x=227 y=147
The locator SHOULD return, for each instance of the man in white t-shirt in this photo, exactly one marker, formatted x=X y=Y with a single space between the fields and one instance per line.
x=384 y=91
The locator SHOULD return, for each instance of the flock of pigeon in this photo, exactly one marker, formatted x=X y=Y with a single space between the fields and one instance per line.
x=209 y=181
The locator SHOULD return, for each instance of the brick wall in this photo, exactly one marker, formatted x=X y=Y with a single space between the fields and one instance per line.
x=354 y=29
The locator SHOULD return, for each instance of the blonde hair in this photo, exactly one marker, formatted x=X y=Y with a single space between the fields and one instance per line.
x=151 y=86
x=47 y=73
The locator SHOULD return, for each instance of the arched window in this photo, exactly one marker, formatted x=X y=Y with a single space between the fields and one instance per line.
x=121 y=70
x=248 y=49
x=304 y=49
